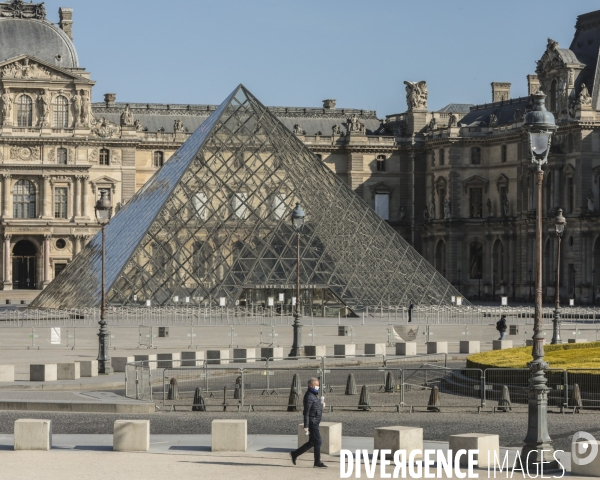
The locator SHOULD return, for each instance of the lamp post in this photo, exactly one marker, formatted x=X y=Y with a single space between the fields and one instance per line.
x=513 y=282
x=494 y=285
x=103 y=213
x=540 y=125
x=530 y=271
x=594 y=286
x=559 y=225
x=459 y=280
x=298 y=224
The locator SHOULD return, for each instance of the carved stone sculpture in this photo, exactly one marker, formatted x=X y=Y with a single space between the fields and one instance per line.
x=447 y=213
x=432 y=124
x=335 y=130
x=425 y=213
x=44 y=100
x=7 y=102
x=493 y=120
x=355 y=125
x=416 y=95
x=432 y=210
x=584 y=98
x=452 y=120
x=402 y=212
x=76 y=107
x=178 y=126
x=505 y=206
x=590 y=203
x=86 y=108
x=127 y=117
x=298 y=130
x=138 y=125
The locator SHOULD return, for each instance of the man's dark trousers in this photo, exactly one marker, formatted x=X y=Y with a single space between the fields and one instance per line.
x=314 y=441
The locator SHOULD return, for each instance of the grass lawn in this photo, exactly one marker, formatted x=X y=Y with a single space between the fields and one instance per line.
x=564 y=356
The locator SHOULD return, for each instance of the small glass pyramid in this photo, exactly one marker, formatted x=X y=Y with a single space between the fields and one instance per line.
x=213 y=226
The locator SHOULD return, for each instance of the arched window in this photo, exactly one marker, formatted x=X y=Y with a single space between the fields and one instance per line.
x=24 y=111
x=476 y=261
x=476 y=155
x=61 y=156
x=24 y=199
x=60 y=112
x=158 y=159
x=279 y=206
x=104 y=156
x=381 y=163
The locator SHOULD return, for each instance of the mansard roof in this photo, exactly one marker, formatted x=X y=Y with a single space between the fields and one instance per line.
x=505 y=111
x=456 y=108
x=156 y=116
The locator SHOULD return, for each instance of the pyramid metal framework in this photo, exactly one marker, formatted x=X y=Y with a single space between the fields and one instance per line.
x=215 y=219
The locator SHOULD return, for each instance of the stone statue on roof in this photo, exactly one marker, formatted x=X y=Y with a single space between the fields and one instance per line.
x=452 y=120
x=127 y=117
x=76 y=107
x=584 y=97
x=447 y=213
x=416 y=95
x=355 y=125
x=335 y=130
x=86 y=108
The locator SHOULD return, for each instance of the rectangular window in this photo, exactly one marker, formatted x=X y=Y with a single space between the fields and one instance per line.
x=570 y=194
x=441 y=198
x=381 y=163
x=238 y=202
x=442 y=156
x=199 y=200
x=382 y=205
x=504 y=154
x=476 y=156
x=60 y=202
x=476 y=202
x=279 y=206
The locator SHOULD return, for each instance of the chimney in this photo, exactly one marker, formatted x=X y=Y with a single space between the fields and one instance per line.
x=533 y=84
x=329 y=103
x=65 y=15
x=500 y=91
x=110 y=98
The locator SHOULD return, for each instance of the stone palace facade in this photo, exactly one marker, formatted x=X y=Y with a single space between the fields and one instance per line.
x=456 y=183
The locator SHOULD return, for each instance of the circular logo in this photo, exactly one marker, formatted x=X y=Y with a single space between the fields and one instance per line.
x=584 y=448
x=25 y=153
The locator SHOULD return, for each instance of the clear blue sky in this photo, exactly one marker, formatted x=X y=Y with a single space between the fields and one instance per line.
x=299 y=52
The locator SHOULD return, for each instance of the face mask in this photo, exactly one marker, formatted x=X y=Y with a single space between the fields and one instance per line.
x=316 y=388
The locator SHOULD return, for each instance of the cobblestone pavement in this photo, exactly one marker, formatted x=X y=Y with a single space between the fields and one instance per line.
x=437 y=426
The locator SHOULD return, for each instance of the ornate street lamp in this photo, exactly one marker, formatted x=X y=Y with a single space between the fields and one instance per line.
x=513 y=282
x=103 y=214
x=298 y=216
x=540 y=125
x=559 y=224
x=530 y=272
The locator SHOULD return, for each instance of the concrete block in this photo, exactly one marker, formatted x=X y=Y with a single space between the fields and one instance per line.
x=577 y=340
x=476 y=441
x=217 y=357
x=529 y=342
x=43 y=373
x=437 y=347
x=399 y=438
x=118 y=363
x=375 y=349
x=131 y=435
x=244 y=355
x=168 y=360
x=331 y=433
x=192 y=359
x=146 y=358
x=68 y=371
x=406 y=348
x=271 y=352
x=580 y=451
x=88 y=368
x=7 y=373
x=345 y=350
x=502 y=344
x=470 y=346
x=229 y=435
x=314 y=351
x=33 y=434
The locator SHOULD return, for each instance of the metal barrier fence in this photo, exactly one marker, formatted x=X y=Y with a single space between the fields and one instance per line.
x=267 y=384
x=179 y=315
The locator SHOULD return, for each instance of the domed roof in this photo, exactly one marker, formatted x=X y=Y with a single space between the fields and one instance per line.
x=38 y=38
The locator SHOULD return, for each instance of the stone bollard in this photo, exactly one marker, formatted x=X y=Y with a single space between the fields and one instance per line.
x=198 y=405
x=434 y=404
x=575 y=398
x=406 y=348
x=237 y=391
x=487 y=446
x=271 y=352
x=399 y=438
x=173 y=393
x=192 y=359
x=375 y=349
x=504 y=404
x=390 y=383
x=364 y=402
x=470 y=346
x=68 y=371
x=244 y=355
x=294 y=398
x=229 y=435
x=345 y=350
x=33 y=434
x=7 y=373
x=168 y=360
x=43 y=373
x=331 y=434
x=119 y=363
x=217 y=357
x=502 y=344
x=437 y=347
x=578 y=456
x=350 y=385
x=131 y=436
x=314 y=351
x=88 y=368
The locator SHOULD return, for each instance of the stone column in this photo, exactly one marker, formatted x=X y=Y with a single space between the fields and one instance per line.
x=78 y=241
x=6 y=203
x=84 y=189
x=77 y=196
x=46 y=260
x=47 y=202
x=7 y=264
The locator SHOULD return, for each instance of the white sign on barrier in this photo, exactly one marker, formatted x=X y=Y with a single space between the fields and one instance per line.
x=459 y=300
x=55 y=335
x=293 y=300
x=504 y=301
x=222 y=301
x=571 y=302
x=281 y=297
x=148 y=303
x=271 y=302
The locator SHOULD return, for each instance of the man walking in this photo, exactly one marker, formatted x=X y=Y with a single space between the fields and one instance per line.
x=501 y=326
x=410 y=308
x=313 y=410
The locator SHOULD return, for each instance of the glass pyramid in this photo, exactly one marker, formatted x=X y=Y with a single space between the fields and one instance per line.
x=213 y=226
